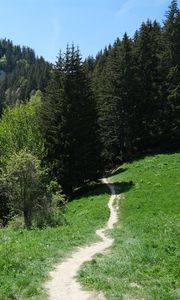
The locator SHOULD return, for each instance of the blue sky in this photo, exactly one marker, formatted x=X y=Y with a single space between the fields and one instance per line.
x=48 y=25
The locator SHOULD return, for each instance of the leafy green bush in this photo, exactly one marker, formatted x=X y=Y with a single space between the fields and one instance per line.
x=19 y=129
x=27 y=191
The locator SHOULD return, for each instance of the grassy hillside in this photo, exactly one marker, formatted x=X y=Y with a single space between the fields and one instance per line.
x=144 y=261
x=27 y=256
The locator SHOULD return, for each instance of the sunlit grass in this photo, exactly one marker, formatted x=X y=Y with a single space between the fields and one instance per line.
x=144 y=260
x=27 y=256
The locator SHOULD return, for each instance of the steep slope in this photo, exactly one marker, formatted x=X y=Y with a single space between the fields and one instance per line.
x=21 y=72
x=144 y=259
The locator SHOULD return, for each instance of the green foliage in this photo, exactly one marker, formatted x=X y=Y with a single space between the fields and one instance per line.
x=3 y=60
x=104 y=82
x=68 y=121
x=28 y=192
x=99 y=112
x=107 y=109
x=136 y=85
x=143 y=259
x=25 y=73
x=127 y=83
x=49 y=212
x=172 y=55
x=23 y=180
x=28 y=255
x=19 y=132
x=19 y=129
x=151 y=92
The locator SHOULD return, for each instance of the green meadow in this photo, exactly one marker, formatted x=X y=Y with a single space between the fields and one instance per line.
x=26 y=256
x=144 y=260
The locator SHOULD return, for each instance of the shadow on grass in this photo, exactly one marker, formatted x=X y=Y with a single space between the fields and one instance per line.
x=122 y=187
x=119 y=171
x=98 y=188
x=175 y=148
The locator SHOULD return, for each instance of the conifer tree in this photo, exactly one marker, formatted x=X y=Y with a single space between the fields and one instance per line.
x=107 y=104
x=126 y=90
x=69 y=123
x=149 y=49
x=115 y=89
x=172 y=63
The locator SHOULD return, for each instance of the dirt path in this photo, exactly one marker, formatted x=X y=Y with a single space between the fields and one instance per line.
x=62 y=284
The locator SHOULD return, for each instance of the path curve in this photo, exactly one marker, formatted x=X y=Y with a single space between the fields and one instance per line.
x=63 y=284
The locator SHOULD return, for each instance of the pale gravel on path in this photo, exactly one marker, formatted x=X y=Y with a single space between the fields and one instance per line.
x=63 y=284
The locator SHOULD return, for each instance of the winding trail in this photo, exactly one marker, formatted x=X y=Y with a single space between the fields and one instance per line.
x=63 y=284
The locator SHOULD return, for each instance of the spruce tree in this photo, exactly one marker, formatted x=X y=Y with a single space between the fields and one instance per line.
x=69 y=123
x=172 y=63
x=148 y=51
x=126 y=91
x=107 y=104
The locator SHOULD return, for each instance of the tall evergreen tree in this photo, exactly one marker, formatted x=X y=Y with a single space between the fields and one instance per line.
x=172 y=62
x=126 y=91
x=116 y=93
x=148 y=51
x=69 y=123
x=107 y=104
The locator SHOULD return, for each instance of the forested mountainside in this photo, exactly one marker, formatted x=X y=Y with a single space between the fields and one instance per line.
x=21 y=73
x=92 y=115
x=107 y=110
x=136 y=83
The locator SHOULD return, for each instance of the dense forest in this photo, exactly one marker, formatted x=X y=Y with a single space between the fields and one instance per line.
x=21 y=73
x=84 y=117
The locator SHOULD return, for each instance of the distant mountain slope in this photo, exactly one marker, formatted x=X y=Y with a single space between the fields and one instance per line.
x=21 y=72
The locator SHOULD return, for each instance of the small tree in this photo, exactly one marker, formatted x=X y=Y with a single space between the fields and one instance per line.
x=23 y=178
